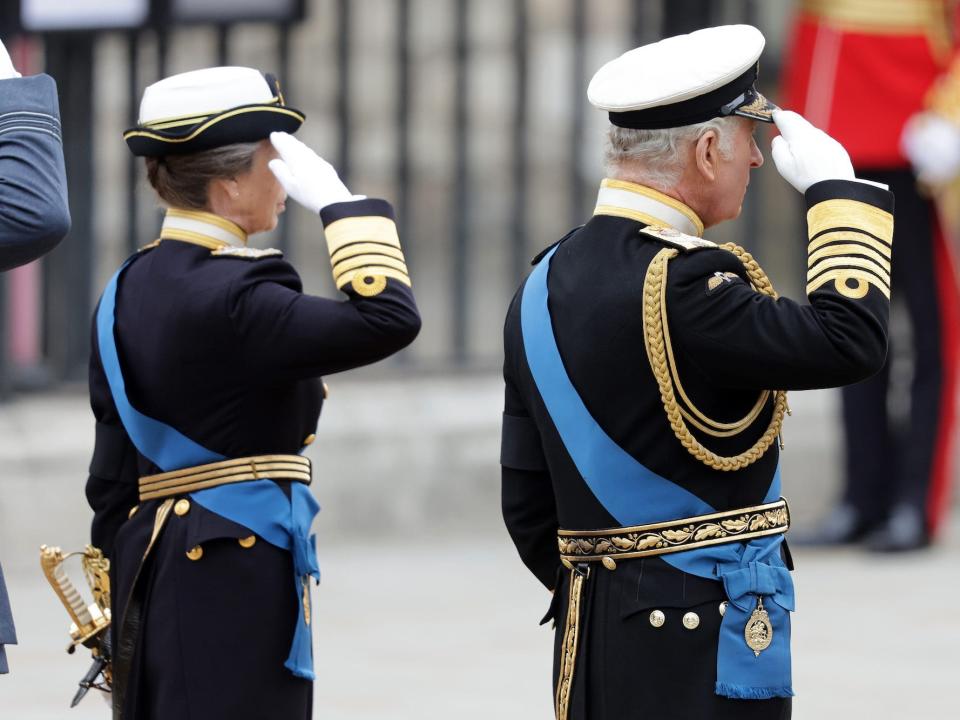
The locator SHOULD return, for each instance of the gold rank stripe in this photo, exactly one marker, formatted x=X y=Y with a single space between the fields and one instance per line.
x=351 y=230
x=843 y=213
x=844 y=274
x=848 y=261
x=372 y=270
x=364 y=261
x=350 y=251
x=842 y=236
x=847 y=249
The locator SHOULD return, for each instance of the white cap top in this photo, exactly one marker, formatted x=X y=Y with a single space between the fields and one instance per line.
x=203 y=92
x=678 y=69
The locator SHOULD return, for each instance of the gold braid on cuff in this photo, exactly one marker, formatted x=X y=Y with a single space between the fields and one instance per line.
x=577 y=546
x=660 y=353
x=364 y=253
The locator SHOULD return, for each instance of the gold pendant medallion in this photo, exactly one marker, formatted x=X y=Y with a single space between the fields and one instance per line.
x=759 y=630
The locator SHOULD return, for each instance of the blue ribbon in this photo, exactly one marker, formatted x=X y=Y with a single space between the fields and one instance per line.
x=259 y=505
x=635 y=495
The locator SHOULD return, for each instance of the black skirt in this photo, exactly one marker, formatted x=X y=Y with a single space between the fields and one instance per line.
x=213 y=632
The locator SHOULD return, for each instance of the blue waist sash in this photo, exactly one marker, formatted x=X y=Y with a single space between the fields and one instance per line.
x=635 y=495
x=260 y=505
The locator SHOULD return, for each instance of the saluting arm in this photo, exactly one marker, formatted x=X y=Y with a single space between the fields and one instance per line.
x=34 y=215
x=740 y=338
x=292 y=335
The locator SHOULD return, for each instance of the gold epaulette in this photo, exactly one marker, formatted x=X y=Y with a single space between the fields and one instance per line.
x=246 y=253
x=675 y=238
x=656 y=336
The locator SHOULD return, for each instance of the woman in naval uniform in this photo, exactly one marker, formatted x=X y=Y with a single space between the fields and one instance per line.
x=205 y=383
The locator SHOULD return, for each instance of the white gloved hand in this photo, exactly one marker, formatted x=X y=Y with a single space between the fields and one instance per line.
x=932 y=144
x=805 y=155
x=7 y=70
x=307 y=177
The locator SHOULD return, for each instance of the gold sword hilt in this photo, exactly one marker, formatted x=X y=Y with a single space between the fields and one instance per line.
x=89 y=621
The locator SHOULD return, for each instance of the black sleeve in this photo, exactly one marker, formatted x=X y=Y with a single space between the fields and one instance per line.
x=34 y=215
x=740 y=338
x=290 y=334
x=527 y=498
x=112 y=484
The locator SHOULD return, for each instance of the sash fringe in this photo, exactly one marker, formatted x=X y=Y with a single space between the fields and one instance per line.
x=741 y=692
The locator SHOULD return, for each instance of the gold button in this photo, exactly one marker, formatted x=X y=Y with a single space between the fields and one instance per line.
x=723 y=608
x=609 y=563
x=657 y=618
x=133 y=511
x=182 y=507
x=195 y=553
x=326 y=390
x=247 y=542
x=567 y=564
x=691 y=621
x=308 y=440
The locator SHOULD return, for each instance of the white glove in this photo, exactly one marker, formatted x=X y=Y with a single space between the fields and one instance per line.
x=932 y=143
x=7 y=70
x=805 y=155
x=307 y=177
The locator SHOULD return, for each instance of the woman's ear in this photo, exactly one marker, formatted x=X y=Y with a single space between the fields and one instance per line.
x=221 y=192
x=706 y=154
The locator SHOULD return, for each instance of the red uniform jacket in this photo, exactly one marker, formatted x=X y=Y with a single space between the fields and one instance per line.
x=858 y=69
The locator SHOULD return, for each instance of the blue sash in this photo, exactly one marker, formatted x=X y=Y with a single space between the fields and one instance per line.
x=635 y=495
x=259 y=505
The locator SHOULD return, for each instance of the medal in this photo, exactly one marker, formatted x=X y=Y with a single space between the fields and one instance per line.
x=759 y=630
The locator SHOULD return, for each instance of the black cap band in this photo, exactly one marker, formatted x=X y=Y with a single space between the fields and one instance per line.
x=689 y=112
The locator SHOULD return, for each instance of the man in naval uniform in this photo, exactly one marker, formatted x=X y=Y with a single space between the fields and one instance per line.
x=646 y=370
x=33 y=198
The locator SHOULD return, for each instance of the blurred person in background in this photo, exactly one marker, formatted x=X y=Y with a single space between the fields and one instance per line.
x=205 y=381
x=645 y=369
x=34 y=215
x=878 y=75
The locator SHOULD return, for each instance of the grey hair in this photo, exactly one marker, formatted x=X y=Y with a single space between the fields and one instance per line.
x=183 y=181
x=655 y=156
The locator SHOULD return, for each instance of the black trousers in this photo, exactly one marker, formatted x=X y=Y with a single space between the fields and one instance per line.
x=627 y=669
x=214 y=632
x=889 y=465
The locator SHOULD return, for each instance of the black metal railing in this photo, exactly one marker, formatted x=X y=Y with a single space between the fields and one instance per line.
x=472 y=210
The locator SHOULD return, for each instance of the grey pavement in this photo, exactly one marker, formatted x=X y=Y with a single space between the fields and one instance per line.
x=425 y=612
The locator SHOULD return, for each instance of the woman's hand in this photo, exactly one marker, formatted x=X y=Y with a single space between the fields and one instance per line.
x=307 y=177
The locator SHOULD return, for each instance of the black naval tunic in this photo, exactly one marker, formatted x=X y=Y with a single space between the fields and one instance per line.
x=730 y=342
x=228 y=350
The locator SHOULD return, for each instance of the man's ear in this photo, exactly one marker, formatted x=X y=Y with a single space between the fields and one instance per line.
x=706 y=154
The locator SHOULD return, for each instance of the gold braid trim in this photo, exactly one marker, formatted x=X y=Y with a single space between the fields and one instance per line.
x=568 y=646
x=660 y=353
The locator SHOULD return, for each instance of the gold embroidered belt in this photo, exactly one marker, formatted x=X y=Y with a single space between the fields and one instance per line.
x=201 y=477
x=577 y=546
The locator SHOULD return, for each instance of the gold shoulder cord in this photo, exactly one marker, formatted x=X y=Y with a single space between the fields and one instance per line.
x=660 y=353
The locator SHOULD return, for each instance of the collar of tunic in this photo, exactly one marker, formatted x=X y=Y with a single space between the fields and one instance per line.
x=201 y=228
x=643 y=204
